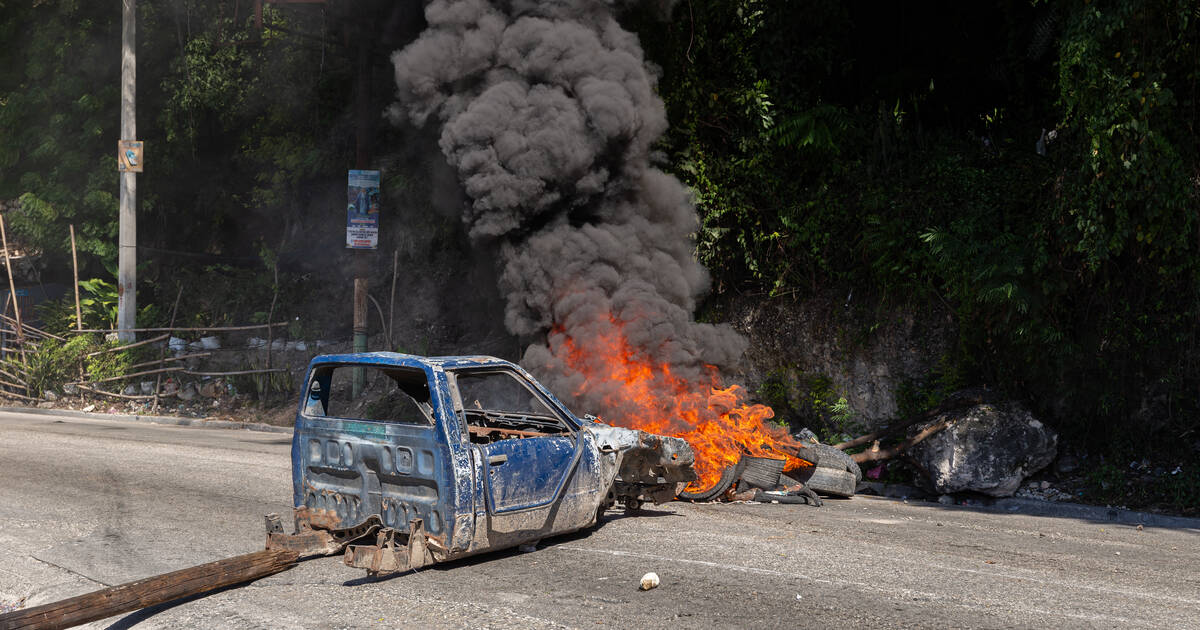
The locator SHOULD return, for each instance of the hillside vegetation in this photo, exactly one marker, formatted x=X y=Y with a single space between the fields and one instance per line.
x=1031 y=166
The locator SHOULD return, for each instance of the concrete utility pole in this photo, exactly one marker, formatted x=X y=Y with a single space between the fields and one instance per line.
x=361 y=258
x=127 y=255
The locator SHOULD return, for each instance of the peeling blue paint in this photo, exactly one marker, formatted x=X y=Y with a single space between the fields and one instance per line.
x=474 y=487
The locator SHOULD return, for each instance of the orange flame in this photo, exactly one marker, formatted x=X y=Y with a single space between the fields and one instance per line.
x=720 y=427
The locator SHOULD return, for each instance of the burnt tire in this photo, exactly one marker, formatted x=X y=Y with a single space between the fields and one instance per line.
x=827 y=481
x=835 y=459
x=762 y=472
x=728 y=477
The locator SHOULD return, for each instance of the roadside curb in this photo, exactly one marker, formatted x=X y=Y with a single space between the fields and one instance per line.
x=1120 y=516
x=174 y=420
x=1034 y=507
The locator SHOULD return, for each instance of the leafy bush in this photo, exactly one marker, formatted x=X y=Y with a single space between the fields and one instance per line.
x=98 y=306
x=56 y=362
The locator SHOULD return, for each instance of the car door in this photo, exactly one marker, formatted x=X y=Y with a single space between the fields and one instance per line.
x=534 y=467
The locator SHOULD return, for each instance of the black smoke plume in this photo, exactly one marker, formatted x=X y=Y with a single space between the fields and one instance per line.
x=548 y=112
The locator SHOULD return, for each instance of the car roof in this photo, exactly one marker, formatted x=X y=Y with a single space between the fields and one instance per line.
x=398 y=359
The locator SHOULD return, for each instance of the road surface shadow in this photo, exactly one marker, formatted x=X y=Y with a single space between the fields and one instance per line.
x=138 y=616
x=491 y=556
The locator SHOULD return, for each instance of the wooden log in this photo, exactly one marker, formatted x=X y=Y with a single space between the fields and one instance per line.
x=200 y=329
x=13 y=293
x=875 y=453
x=387 y=333
x=14 y=385
x=960 y=401
x=8 y=394
x=266 y=384
x=14 y=377
x=75 y=270
x=39 y=332
x=234 y=373
x=11 y=287
x=4 y=343
x=116 y=600
x=182 y=357
x=391 y=325
x=129 y=345
x=178 y=368
x=85 y=388
x=875 y=436
x=162 y=355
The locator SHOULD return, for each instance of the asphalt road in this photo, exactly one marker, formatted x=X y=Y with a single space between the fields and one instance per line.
x=88 y=502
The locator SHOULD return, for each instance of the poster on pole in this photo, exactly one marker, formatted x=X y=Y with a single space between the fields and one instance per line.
x=362 y=212
x=129 y=156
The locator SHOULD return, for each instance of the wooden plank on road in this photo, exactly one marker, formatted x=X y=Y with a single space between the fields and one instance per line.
x=131 y=596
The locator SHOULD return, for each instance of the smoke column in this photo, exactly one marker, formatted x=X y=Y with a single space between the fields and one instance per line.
x=548 y=112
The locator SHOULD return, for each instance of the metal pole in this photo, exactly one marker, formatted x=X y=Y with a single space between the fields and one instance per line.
x=127 y=254
x=361 y=263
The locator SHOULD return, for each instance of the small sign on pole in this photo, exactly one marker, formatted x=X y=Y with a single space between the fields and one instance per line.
x=362 y=212
x=129 y=156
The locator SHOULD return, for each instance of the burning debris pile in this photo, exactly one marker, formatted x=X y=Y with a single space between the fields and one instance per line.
x=548 y=113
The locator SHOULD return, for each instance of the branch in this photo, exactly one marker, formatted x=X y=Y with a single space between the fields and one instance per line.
x=876 y=454
x=959 y=401
x=177 y=368
x=95 y=390
x=128 y=345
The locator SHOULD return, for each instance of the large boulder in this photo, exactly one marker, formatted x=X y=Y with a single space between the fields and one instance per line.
x=988 y=448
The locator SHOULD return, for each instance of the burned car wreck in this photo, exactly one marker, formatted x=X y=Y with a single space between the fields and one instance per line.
x=403 y=461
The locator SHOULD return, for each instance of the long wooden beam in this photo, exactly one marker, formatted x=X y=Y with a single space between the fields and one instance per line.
x=159 y=589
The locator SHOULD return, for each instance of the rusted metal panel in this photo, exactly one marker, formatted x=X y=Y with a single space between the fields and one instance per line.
x=388 y=555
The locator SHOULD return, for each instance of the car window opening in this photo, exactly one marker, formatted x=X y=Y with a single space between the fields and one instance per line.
x=399 y=395
x=498 y=406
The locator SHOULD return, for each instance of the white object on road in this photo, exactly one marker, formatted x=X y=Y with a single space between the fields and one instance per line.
x=649 y=581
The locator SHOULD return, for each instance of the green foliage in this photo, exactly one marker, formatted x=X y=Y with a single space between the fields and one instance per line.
x=1070 y=263
x=233 y=295
x=56 y=132
x=915 y=397
x=237 y=124
x=1131 y=192
x=820 y=128
x=113 y=363
x=801 y=400
x=774 y=390
x=888 y=149
x=56 y=362
x=98 y=307
x=833 y=418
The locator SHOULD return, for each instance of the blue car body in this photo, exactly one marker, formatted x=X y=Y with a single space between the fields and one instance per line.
x=469 y=453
